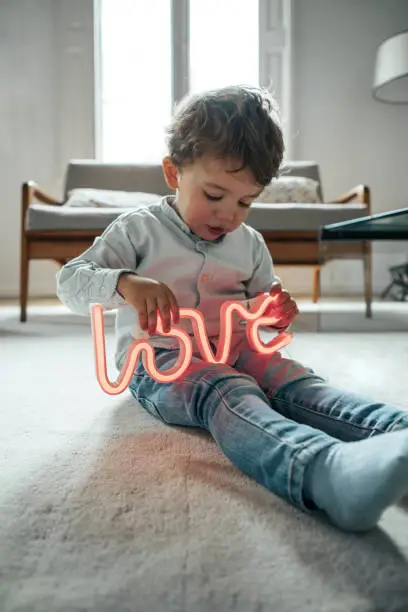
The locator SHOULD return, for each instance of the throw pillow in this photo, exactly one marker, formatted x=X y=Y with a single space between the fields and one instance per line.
x=105 y=198
x=286 y=189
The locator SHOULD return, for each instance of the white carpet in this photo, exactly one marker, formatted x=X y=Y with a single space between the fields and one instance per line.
x=103 y=508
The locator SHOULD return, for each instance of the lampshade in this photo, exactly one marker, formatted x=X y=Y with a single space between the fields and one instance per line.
x=391 y=70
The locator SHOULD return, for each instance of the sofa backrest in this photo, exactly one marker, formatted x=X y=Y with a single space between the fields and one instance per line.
x=148 y=178
x=118 y=177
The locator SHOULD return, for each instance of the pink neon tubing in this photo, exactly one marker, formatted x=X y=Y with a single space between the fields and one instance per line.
x=253 y=317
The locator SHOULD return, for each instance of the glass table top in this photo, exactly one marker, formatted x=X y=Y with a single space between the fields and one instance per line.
x=383 y=226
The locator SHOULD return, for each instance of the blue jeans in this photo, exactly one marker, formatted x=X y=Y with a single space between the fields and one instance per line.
x=270 y=416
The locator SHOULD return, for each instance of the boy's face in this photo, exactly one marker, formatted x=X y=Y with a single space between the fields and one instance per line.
x=211 y=199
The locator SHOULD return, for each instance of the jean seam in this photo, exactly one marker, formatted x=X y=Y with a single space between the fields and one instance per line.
x=214 y=387
x=298 y=461
x=334 y=419
x=148 y=401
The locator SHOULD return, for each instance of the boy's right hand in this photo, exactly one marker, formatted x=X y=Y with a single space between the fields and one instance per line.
x=149 y=296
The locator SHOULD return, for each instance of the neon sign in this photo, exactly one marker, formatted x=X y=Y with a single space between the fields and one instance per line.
x=257 y=316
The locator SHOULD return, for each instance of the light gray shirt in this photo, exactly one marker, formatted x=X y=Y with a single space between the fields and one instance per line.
x=155 y=242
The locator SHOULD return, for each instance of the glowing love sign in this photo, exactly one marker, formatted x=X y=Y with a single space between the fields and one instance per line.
x=257 y=316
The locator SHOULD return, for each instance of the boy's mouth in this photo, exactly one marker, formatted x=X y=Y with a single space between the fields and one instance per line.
x=216 y=231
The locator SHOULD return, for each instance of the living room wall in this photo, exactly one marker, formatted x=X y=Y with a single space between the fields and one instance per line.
x=47 y=111
x=337 y=122
x=46 y=114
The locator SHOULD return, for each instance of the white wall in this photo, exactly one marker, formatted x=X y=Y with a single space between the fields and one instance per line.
x=47 y=106
x=337 y=122
x=46 y=113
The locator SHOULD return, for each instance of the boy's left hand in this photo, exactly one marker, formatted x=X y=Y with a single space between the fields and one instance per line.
x=284 y=307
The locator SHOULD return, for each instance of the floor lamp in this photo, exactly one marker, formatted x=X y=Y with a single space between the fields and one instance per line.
x=391 y=86
x=391 y=70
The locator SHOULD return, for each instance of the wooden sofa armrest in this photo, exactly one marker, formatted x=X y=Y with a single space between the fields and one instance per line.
x=30 y=191
x=360 y=192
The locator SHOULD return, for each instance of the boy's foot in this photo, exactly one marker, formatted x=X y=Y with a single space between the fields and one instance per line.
x=354 y=482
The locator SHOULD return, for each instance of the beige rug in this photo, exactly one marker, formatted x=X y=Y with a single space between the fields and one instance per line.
x=102 y=508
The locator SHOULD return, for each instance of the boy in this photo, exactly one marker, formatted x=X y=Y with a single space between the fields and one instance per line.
x=275 y=419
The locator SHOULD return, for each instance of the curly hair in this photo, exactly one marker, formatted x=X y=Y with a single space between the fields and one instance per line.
x=236 y=122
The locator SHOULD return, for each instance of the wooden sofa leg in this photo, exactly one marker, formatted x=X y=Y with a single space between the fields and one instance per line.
x=24 y=266
x=368 y=280
x=316 y=285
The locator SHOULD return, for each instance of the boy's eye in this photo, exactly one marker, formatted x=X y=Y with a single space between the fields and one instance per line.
x=211 y=197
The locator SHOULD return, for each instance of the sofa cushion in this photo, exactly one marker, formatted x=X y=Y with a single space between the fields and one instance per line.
x=42 y=217
x=263 y=217
x=285 y=189
x=301 y=217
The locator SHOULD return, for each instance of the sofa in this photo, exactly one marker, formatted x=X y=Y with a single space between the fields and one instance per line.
x=52 y=229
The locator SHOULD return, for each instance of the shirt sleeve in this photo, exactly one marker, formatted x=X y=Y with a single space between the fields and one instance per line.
x=263 y=275
x=92 y=277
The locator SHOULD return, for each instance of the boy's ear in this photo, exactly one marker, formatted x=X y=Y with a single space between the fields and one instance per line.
x=171 y=174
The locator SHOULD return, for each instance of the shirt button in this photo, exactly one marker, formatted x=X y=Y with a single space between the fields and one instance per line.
x=205 y=277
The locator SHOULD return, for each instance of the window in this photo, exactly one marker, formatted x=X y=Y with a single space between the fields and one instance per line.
x=143 y=63
x=135 y=79
x=224 y=43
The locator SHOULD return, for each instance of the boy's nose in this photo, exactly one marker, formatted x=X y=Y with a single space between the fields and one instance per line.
x=225 y=215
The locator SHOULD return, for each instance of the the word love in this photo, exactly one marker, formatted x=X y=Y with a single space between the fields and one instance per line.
x=257 y=316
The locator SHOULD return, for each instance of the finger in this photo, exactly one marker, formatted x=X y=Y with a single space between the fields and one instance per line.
x=152 y=315
x=276 y=287
x=174 y=306
x=143 y=319
x=282 y=297
x=163 y=305
x=287 y=318
x=287 y=312
x=286 y=307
